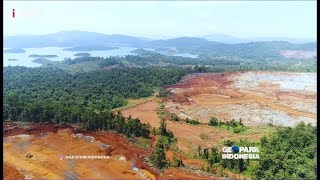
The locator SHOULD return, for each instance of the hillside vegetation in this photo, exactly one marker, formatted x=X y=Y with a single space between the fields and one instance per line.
x=290 y=153
x=214 y=63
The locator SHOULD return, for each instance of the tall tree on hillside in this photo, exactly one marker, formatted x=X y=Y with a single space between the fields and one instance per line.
x=159 y=157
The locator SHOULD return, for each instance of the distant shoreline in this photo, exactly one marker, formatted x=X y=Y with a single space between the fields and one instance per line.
x=90 y=48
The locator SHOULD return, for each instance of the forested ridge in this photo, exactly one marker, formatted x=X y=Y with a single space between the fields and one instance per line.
x=216 y=62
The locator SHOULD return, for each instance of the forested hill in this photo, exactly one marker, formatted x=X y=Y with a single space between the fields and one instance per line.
x=215 y=63
x=270 y=49
x=71 y=39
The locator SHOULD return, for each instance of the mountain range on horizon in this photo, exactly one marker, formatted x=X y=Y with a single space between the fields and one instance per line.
x=77 y=38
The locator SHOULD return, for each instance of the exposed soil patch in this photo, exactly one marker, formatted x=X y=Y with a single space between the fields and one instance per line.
x=189 y=136
x=146 y=112
x=176 y=173
x=32 y=153
x=298 y=53
x=12 y=129
x=10 y=172
x=119 y=145
x=255 y=97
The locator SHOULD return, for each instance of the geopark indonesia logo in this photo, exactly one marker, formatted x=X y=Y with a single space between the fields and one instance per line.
x=236 y=152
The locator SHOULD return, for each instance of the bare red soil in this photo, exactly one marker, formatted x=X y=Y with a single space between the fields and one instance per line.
x=10 y=172
x=47 y=141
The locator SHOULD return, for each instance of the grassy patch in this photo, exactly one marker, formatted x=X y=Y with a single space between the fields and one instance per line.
x=261 y=130
x=161 y=112
x=78 y=67
x=143 y=143
x=133 y=102
x=192 y=121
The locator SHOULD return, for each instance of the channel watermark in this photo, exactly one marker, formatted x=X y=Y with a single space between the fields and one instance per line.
x=236 y=152
x=62 y=157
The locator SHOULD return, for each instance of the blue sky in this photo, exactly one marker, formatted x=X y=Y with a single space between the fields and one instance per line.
x=164 y=19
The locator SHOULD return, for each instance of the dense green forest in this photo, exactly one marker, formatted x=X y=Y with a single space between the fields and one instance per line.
x=53 y=95
x=291 y=153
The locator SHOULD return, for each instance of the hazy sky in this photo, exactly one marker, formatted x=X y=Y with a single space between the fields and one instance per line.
x=176 y=18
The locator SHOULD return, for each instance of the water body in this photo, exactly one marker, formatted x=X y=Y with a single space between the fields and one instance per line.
x=25 y=60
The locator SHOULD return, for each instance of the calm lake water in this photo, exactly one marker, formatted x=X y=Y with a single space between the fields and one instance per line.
x=23 y=59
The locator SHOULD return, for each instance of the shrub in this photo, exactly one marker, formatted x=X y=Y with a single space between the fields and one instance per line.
x=237 y=129
x=174 y=117
x=177 y=162
x=192 y=121
x=213 y=122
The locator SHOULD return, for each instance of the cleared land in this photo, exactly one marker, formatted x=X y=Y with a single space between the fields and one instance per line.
x=256 y=97
x=190 y=136
x=298 y=54
x=46 y=142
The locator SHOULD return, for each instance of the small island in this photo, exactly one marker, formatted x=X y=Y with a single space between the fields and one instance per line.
x=14 y=50
x=82 y=54
x=13 y=59
x=90 y=48
x=41 y=61
x=42 y=56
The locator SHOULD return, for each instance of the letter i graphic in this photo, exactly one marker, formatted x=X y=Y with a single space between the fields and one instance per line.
x=13 y=13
